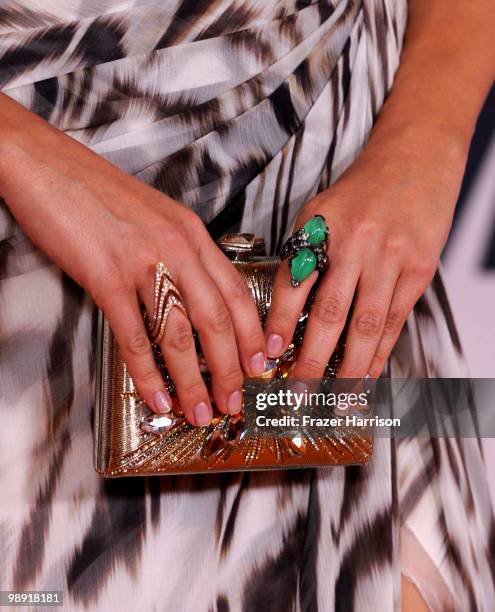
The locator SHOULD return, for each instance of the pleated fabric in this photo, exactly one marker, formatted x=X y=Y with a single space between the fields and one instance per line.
x=243 y=110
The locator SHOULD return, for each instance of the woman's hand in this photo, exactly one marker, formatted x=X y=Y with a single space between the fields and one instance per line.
x=107 y=230
x=389 y=216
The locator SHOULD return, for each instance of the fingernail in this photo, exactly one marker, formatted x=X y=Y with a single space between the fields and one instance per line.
x=257 y=364
x=298 y=390
x=202 y=414
x=234 y=403
x=162 y=401
x=369 y=383
x=299 y=387
x=274 y=345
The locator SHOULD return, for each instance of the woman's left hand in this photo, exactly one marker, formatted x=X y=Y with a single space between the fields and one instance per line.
x=389 y=216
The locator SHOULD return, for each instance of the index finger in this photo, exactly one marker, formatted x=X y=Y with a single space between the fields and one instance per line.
x=286 y=308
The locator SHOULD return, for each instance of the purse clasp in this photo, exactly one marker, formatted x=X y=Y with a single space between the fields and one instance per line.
x=242 y=246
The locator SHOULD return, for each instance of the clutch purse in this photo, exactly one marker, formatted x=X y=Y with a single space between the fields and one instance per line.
x=130 y=440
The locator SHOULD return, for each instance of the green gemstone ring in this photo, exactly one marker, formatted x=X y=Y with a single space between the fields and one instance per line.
x=306 y=250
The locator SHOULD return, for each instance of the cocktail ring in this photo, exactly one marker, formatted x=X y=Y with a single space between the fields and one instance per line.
x=306 y=250
x=167 y=296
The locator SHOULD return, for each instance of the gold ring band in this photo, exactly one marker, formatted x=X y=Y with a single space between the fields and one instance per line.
x=166 y=297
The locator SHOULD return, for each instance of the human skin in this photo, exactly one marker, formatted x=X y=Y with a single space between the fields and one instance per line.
x=107 y=230
x=389 y=214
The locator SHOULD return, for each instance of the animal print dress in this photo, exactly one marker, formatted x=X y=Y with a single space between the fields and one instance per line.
x=243 y=110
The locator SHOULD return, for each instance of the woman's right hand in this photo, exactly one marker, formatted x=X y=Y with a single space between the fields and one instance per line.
x=107 y=230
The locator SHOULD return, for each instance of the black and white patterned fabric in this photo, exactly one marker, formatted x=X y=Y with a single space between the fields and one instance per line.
x=243 y=110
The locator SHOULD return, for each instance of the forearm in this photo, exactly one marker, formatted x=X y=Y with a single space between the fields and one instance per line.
x=31 y=148
x=19 y=127
x=27 y=143
x=446 y=70
x=390 y=212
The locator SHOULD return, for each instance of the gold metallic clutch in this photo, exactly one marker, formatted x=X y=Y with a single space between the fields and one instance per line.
x=130 y=440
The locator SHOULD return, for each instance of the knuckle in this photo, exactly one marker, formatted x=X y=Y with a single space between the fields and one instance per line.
x=238 y=288
x=395 y=246
x=368 y=323
x=231 y=378
x=138 y=344
x=423 y=268
x=363 y=229
x=147 y=377
x=180 y=338
x=330 y=310
x=175 y=237
x=193 y=389
x=394 y=322
x=313 y=368
x=283 y=317
x=219 y=320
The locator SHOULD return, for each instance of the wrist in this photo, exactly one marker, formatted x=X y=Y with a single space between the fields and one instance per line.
x=418 y=145
x=405 y=167
x=24 y=152
x=409 y=134
x=22 y=134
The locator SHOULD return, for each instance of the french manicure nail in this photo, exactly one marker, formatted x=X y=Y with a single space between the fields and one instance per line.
x=234 y=403
x=202 y=414
x=257 y=364
x=369 y=383
x=274 y=345
x=162 y=402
